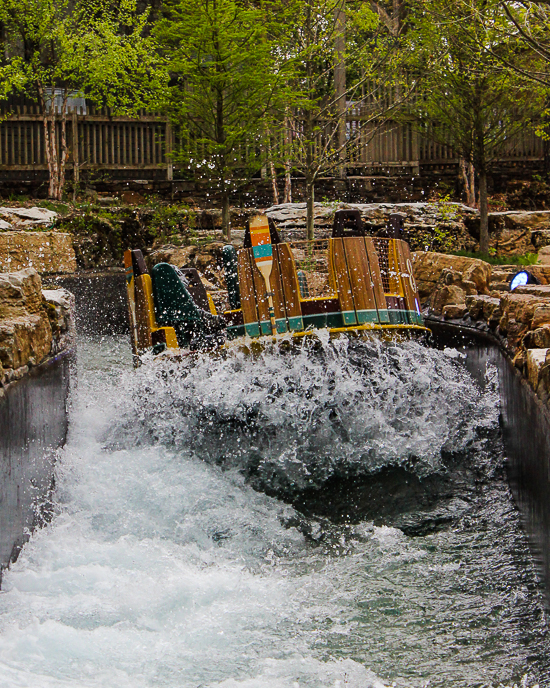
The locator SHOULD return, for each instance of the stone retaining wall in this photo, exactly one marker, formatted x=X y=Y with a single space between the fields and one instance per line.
x=35 y=324
x=46 y=252
x=472 y=293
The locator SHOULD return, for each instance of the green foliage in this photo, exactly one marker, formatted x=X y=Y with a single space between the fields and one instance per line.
x=55 y=49
x=97 y=49
x=493 y=259
x=60 y=208
x=170 y=223
x=226 y=81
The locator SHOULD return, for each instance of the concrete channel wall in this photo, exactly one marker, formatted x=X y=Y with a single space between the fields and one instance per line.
x=33 y=425
x=36 y=347
x=525 y=421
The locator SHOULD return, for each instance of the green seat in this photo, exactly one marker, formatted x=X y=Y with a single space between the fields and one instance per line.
x=174 y=306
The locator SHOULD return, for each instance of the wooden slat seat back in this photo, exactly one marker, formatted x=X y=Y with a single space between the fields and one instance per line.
x=284 y=287
x=398 y=280
x=355 y=274
x=409 y=289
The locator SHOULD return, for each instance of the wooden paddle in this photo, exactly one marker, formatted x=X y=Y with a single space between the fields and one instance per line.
x=129 y=269
x=262 y=250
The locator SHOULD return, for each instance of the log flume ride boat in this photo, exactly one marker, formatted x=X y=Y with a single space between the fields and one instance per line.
x=350 y=283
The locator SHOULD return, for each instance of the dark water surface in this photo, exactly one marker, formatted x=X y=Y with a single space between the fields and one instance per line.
x=337 y=517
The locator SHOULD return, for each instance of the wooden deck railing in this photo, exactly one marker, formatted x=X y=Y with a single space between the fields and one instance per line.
x=99 y=140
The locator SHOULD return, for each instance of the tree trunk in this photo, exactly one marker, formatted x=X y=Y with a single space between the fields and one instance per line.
x=340 y=86
x=468 y=179
x=483 y=213
x=226 y=224
x=288 y=185
x=310 y=205
x=76 y=157
x=64 y=150
x=288 y=180
x=272 y=171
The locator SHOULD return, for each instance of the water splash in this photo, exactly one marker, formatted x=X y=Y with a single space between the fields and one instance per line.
x=292 y=420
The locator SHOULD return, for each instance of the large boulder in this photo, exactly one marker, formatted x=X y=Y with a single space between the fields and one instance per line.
x=33 y=323
x=24 y=340
x=429 y=266
x=25 y=330
x=46 y=252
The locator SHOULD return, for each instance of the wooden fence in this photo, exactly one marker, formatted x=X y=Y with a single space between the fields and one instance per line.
x=127 y=147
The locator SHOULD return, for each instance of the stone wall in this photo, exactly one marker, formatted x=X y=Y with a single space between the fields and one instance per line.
x=46 y=252
x=34 y=324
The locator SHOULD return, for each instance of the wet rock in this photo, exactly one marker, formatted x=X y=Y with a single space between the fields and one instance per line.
x=537 y=338
x=544 y=253
x=49 y=252
x=32 y=324
x=536 y=360
x=445 y=296
x=541 y=316
x=429 y=266
x=454 y=311
x=23 y=340
x=484 y=307
x=60 y=307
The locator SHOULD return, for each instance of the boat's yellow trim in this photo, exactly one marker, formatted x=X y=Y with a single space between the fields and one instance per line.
x=320 y=298
x=169 y=332
x=362 y=328
x=211 y=304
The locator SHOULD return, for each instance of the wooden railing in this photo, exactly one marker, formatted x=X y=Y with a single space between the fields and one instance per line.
x=124 y=146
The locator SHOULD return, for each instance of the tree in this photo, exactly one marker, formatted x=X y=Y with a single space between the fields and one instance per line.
x=227 y=80
x=56 y=48
x=342 y=53
x=468 y=100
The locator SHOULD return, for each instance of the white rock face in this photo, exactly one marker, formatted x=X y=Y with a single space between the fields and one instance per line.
x=5 y=225
x=293 y=215
x=35 y=215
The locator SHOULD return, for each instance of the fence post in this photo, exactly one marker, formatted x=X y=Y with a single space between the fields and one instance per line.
x=75 y=152
x=415 y=150
x=168 y=149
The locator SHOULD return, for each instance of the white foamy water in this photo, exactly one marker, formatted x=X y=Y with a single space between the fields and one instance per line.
x=164 y=567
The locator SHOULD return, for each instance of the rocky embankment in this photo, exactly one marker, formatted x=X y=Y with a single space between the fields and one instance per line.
x=27 y=239
x=471 y=293
x=35 y=324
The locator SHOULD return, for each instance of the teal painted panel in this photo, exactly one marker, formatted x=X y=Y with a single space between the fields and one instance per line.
x=263 y=251
x=235 y=331
x=317 y=321
x=335 y=319
x=349 y=318
x=370 y=316
x=416 y=318
x=384 y=317
x=266 y=327
x=398 y=317
x=252 y=329
x=281 y=325
x=296 y=323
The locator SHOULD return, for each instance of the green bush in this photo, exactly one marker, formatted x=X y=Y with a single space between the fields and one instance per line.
x=526 y=259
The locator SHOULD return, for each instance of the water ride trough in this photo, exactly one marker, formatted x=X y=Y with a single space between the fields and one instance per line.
x=350 y=283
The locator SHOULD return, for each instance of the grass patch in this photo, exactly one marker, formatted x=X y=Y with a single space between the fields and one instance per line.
x=526 y=259
x=56 y=206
